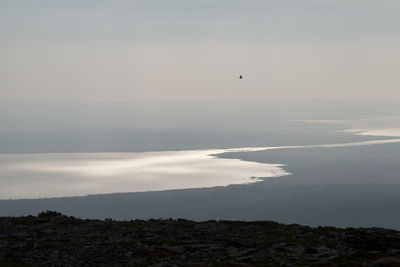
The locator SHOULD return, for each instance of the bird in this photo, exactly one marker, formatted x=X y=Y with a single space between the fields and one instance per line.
x=241 y=77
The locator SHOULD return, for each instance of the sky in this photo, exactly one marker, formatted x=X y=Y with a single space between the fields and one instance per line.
x=178 y=50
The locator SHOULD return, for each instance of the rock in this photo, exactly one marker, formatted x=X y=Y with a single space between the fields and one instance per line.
x=385 y=262
x=52 y=239
x=310 y=250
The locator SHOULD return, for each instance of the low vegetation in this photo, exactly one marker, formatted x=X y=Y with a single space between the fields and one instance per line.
x=57 y=240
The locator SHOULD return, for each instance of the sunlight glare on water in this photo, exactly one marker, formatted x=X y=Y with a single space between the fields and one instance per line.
x=75 y=174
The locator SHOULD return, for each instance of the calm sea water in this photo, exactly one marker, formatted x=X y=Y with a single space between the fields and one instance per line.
x=341 y=172
x=78 y=174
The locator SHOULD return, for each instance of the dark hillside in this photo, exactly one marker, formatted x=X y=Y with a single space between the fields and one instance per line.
x=54 y=239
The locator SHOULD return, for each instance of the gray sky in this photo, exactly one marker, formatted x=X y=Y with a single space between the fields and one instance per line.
x=195 y=49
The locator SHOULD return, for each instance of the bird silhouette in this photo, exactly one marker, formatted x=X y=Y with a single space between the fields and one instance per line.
x=241 y=77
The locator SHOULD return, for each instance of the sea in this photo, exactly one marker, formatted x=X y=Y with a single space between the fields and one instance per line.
x=309 y=162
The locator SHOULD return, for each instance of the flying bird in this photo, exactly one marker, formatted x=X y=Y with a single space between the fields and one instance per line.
x=241 y=77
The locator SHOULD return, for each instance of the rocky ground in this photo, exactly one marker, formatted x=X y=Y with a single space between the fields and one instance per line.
x=51 y=239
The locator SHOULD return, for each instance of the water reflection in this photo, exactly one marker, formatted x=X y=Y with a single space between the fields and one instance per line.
x=78 y=174
x=52 y=175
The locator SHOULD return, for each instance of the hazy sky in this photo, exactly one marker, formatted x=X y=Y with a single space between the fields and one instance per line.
x=195 y=49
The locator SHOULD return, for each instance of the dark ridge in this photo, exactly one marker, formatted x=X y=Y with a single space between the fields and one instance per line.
x=52 y=239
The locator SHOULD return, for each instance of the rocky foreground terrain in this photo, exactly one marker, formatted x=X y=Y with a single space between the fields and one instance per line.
x=52 y=239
